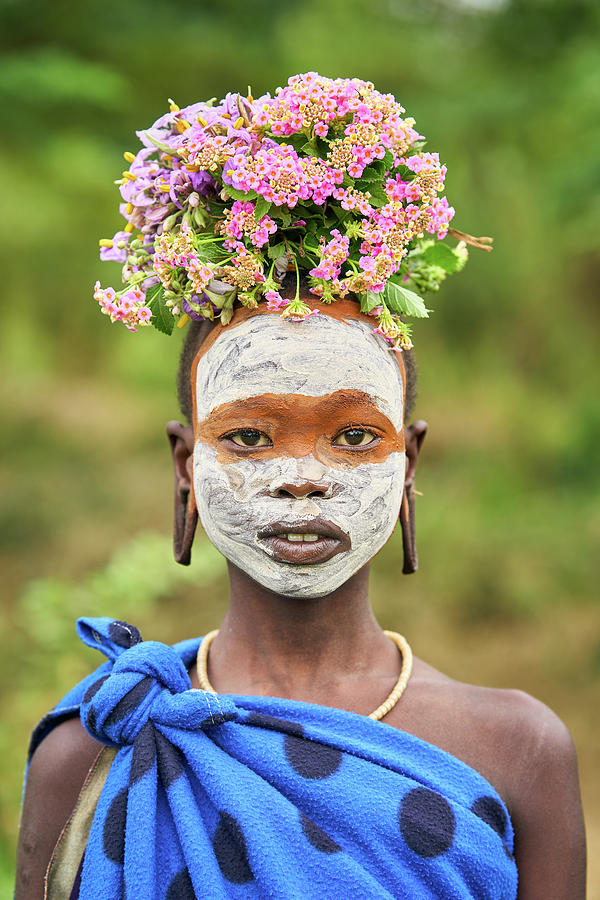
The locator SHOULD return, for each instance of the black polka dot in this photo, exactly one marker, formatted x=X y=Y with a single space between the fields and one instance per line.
x=492 y=812
x=260 y=720
x=229 y=845
x=129 y=702
x=124 y=635
x=144 y=753
x=113 y=834
x=426 y=822
x=169 y=762
x=311 y=759
x=93 y=689
x=90 y=720
x=317 y=837
x=181 y=888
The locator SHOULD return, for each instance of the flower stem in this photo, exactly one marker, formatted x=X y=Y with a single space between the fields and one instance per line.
x=297 y=279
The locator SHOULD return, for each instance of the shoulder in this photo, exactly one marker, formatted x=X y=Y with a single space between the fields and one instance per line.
x=56 y=775
x=516 y=720
x=511 y=737
x=64 y=754
x=526 y=752
x=530 y=740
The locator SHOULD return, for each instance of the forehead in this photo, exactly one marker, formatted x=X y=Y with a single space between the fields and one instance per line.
x=271 y=355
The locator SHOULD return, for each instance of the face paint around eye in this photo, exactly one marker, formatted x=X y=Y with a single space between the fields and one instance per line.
x=355 y=437
x=248 y=437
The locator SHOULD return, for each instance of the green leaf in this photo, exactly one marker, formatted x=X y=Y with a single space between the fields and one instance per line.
x=215 y=207
x=339 y=213
x=212 y=251
x=221 y=300
x=378 y=196
x=370 y=301
x=367 y=178
x=282 y=214
x=161 y=145
x=227 y=309
x=404 y=302
x=405 y=173
x=276 y=251
x=240 y=195
x=261 y=208
x=296 y=140
x=162 y=317
x=315 y=147
x=443 y=256
x=379 y=166
x=309 y=148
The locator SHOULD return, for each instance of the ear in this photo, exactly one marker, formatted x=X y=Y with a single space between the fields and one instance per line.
x=181 y=439
x=414 y=436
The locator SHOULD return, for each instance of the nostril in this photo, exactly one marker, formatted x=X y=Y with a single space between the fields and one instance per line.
x=301 y=491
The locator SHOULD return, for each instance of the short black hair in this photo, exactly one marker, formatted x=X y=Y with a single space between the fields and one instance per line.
x=198 y=331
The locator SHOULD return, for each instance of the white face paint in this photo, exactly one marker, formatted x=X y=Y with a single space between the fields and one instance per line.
x=239 y=498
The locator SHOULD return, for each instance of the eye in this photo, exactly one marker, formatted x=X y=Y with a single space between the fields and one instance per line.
x=249 y=437
x=354 y=437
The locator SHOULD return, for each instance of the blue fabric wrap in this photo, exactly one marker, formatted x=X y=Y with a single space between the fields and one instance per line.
x=227 y=796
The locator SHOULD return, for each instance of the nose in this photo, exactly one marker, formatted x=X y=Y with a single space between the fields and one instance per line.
x=301 y=478
x=305 y=489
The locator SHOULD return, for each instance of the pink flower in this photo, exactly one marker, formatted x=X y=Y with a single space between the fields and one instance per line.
x=275 y=301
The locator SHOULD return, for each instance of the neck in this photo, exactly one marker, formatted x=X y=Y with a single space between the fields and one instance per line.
x=304 y=649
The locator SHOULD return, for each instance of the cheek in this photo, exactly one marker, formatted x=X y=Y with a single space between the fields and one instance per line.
x=377 y=490
x=239 y=497
x=234 y=497
x=239 y=482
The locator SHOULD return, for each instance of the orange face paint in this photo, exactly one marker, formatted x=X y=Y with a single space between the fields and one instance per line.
x=297 y=425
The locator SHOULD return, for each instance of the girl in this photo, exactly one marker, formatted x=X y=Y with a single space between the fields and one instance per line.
x=299 y=751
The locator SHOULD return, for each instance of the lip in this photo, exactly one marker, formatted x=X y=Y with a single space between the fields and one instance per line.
x=332 y=540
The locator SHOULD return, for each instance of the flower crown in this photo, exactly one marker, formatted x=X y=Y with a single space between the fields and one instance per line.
x=328 y=177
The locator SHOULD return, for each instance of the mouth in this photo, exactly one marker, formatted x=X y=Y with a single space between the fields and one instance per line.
x=304 y=543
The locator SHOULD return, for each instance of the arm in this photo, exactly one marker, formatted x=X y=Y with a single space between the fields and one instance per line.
x=58 y=769
x=546 y=807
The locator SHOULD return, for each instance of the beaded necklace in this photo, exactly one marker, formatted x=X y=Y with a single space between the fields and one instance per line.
x=381 y=711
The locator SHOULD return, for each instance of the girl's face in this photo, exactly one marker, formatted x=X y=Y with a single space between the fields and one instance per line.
x=299 y=461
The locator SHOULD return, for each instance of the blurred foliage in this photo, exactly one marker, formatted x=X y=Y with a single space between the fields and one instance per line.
x=508 y=92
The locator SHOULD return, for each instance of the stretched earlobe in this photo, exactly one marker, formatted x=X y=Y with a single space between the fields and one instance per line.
x=414 y=436
x=407 y=524
x=184 y=528
x=181 y=439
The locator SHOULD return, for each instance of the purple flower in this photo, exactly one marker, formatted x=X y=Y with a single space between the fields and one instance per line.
x=200 y=301
x=118 y=251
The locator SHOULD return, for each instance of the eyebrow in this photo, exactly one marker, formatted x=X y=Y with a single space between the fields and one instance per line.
x=302 y=418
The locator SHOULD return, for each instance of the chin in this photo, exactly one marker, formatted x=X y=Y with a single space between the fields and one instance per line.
x=293 y=581
x=296 y=588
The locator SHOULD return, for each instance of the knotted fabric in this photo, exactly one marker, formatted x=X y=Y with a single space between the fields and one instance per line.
x=239 y=796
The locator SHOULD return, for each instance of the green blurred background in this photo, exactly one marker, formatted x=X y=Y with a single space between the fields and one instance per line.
x=508 y=523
